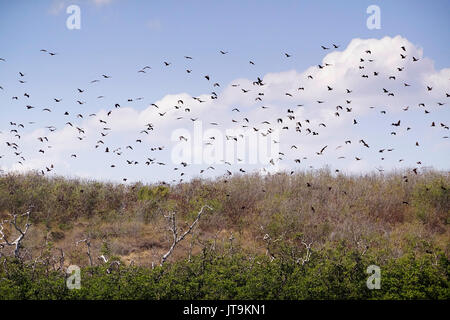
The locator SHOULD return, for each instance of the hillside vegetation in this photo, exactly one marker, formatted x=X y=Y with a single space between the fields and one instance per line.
x=306 y=235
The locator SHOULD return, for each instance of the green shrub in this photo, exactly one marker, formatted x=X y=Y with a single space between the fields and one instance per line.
x=331 y=274
x=431 y=200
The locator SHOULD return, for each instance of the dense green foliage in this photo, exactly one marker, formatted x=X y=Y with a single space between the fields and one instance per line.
x=334 y=274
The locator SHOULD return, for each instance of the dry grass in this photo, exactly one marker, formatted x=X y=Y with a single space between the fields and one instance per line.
x=395 y=213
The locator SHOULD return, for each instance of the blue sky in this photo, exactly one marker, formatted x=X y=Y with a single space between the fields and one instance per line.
x=119 y=37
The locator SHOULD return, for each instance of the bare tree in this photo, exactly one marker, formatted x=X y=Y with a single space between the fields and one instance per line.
x=208 y=244
x=113 y=263
x=61 y=259
x=17 y=244
x=171 y=219
x=47 y=257
x=308 y=253
x=269 y=241
x=88 y=245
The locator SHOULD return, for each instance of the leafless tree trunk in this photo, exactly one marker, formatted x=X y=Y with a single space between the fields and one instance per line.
x=171 y=218
x=21 y=230
x=308 y=253
x=61 y=260
x=88 y=245
x=268 y=239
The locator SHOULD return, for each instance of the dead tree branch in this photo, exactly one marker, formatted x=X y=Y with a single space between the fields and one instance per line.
x=61 y=259
x=88 y=245
x=17 y=244
x=269 y=241
x=308 y=253
x=171 y=219
x=113 y=263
